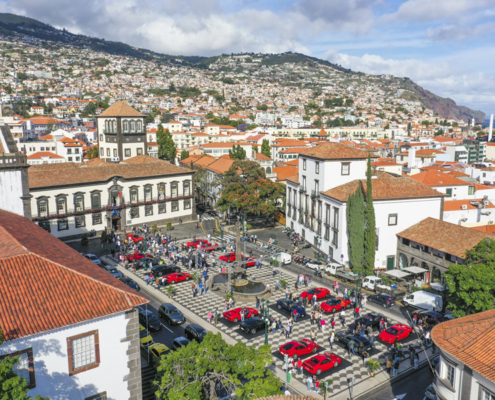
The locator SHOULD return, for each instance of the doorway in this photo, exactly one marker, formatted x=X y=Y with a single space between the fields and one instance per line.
x=116 y=224
x=390 y=262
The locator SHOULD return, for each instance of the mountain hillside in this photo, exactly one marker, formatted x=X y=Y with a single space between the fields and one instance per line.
x=11 y=25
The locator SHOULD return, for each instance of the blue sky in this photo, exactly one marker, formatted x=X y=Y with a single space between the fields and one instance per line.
x=446 y=46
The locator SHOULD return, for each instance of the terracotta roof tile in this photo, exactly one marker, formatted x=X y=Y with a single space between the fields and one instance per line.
x=221 y=165
x=444 y=236
x=120 y=109
x=40 y=154
x=336 y=151
x=436 y=178
x=260 y=156
x=64 y=287
x=284 y=172
x=293 y=178
x=456 y=205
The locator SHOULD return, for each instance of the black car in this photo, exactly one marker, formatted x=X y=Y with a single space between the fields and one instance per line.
x=384 y=300
x=251 y=325
x=369 y=319
x=432 y=318
x=149 y=320
x=346 y=338
x=195 y=332
x=129 y=282
x=161 y=270
x=171 y=314
x=179 y=342
x=200 y=206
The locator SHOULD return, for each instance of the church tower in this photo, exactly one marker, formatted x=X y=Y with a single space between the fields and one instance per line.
x=121 y=132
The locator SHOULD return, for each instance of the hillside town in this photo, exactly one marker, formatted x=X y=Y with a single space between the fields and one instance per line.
x=318 y=223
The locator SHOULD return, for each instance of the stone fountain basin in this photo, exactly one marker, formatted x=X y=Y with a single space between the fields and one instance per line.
x=244 y=292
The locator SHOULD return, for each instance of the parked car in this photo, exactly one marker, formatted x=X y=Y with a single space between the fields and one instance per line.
x=137 y=256
x=345 y=338
x=177 y=277
x=432 y=318
x=198 y=243
x=149 y=320
x=369 y=319
x=170 y=314
x=195 y=332
x=129 y=282
x=321 y=363
x=235 y=314
x=145 y=338
x=299 y=348
x=290 y=306
x=335 y=304
x=158 y=350
x=431 y=393
x=179 y=342
x=113 y=271
x=161 y=270
x=135 y=238
x=395 y=333
x=384 y=300
x=321 y=293
x=252 y=325
x=92 y=257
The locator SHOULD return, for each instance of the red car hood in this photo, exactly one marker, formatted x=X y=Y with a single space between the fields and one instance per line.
x=386 y=337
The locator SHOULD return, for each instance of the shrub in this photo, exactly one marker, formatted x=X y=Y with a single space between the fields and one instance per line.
x=84 y=240
x=169 y=226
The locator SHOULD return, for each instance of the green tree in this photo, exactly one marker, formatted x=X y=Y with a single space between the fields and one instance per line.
x=355 y=229
x=439 y=132
x=370 y=229
x=92 y=152
x=166 y=145
x=166 y=118
x=237 y=152
x=265 y=148
x=184 y=154
x=472 y=284
x=195 y=371
x=262 y=107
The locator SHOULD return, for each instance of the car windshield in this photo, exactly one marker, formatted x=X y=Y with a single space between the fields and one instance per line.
x=333 y=302
x=152 y=317
x=392 y=331
x=288 y=346
x=174 y=311
x=312 y=291
x=112 y=270
x=202 y=333
x=143 y=333
x=367 y=317
x=312 y=361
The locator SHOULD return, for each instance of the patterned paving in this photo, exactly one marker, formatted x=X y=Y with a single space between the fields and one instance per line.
x=352 y=365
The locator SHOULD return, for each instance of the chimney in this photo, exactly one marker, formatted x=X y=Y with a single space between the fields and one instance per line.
x=490 y=129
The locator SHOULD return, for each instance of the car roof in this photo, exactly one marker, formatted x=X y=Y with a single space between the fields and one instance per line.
x=145 y=312
x=91 y=255
x=168 y=305
x=196 y=327
x=181 y=339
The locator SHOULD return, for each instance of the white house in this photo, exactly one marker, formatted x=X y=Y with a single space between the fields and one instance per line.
x=466 y=371
x=76 y=329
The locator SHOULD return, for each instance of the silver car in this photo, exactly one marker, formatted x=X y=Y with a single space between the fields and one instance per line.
x=92 y=257
x=113 y=271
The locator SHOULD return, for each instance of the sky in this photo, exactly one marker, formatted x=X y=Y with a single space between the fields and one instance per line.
x=446 y=46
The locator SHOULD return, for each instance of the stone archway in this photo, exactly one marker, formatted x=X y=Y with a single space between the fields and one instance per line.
x=403 y=262
x=436 y=275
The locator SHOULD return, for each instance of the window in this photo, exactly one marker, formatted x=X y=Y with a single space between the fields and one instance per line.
x=304 y=183
x=392 y=219
x=63 y=224
x=61 y=205
x=175 y=206
x=115 y=152
x=174 y=190
x=95 y=201
x=133 y=126
x=134 y=212
x=471 y=190
x=69 y=151
x=101 y=138
x=79 y=202
x=487 y=395
x=25 y=367
x=186 y=189
x=108 y=152
x=317 y=167
x=80 y=221
x=127 y=152
x=139 y=151
x=449 y=192
x=450 y=374
x=317 y=187
x=114 y=196
x=335 y=228
x=42 y=208
x=45 y=225
x=304 y=164
x=125 y=126
x=345 y=169
x=102 y=152
x=76 y=151
x=161 y=191
x=96 y=219
x=83 y=352
x=187 y=204
x=69 y=159
x=147 y=194
x=148 y=210
x=134 y=196
x=162 y=208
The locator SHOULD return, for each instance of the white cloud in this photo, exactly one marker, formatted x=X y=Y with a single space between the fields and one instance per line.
x=455 y=32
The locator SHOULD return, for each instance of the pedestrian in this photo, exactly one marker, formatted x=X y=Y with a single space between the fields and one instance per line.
x=389 y=364
x=295 y=315
x=318 y=319
x=433 y=347
x=412 y=354
x=274 y=271
x=322 y=323
x=316 y=383
x=313 y=335
x=356 y=312
x=309 y=382
x=299 y=366
x=416 y=361
x=350 y=347
x=364 y=355
x=200 y=288
x=332 y=322
x=210 y=317
x=287 y=331
x=286 y=293
x=343 y=322
x=216 y=316
x=305 y=302
x=427 y=338
x=312 y=319
x=258 y=304
x=242 y=315
x=147 y=279
x=396 y=367
x=336 y=287
x=331 y=339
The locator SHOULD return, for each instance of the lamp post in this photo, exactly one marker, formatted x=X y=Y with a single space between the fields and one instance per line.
x=243 y=227
x=318 y=238
x=266 y=311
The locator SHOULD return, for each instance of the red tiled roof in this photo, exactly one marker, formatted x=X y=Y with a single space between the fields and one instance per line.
x=485 y=228
x=436 y=178
x=40 y=154
x=293 y=178
x=221 y=165
x=443 y=236
x=456 y=205
x=262 y=157
x=284 y=172
x=47 y=285
x=120 y=109
x=470 y=340
x=336 y=151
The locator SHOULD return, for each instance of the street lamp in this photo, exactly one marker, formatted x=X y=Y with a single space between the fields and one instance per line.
x=318 y=239
x=266 y=311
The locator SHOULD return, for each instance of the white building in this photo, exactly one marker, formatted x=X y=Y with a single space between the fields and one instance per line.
x=76 y=339
x=466 y=370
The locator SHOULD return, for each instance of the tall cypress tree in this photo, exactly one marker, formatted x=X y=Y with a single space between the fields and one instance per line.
x=166 y=145
x=370 y=231
x=355 y=228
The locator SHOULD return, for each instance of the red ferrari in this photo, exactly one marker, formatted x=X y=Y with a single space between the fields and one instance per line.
x=395 y=333
x=210 y=248
x=177 y=277
x=138 y=256
x=321 y=363
x=135 y=238
x=198 y=242
x=335 y=304
x=320 y=293
x=296 y=349
x=234 y=315
x=230 y=257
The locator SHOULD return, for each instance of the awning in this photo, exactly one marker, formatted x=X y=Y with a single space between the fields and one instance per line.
x=416 y=270
x=396 y=273
x=438 y=286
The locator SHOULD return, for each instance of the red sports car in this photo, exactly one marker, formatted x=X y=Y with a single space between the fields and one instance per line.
x=335 y=304
x=230 y=257
x=138 y=256
x=198 y=242
x=210 y=248
x=250 y=261
x=320 y=293
x=135 y=238
x=176 y=277
x=234 y=315
x=296 y=349
x=321 y=363
x=395 y=333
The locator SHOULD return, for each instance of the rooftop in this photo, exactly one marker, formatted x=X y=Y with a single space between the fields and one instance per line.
x=337 y=151
x=437 y=178
x=120 y=109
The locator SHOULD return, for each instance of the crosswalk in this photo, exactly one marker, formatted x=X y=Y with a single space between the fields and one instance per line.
x=207 y=218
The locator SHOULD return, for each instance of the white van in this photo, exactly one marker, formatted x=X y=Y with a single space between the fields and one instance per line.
x=424 y=300
x=370 y=282
x=284 y=258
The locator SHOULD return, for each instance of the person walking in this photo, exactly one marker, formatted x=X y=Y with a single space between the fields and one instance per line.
x=396 y=366
x=323 y=323
x=294 y=313
x=336 y=287
x=332 y=322
x=331 y=339
x=313 y=335
x=147 y=279
x=350 y=347
x=210 y=317
x=312 y=318
x=416 y=361
x=242 y=315
x=343 y=321
x=200 y=288
x=412 y=354
x=299 y=366
x=274 y=271
x=216 y=316
x=286 y=293
x=309 y=382
x=258 y=304
x=226 y=305
x=287 y=331
x=389 y=364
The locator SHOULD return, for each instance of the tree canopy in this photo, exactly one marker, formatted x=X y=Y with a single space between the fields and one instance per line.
x=197 y=371
x=265 y=148
x=355 y=228
x=92 y=152
x=237 y=152
x=166 y=145
x=370 y=228
x=184 y=154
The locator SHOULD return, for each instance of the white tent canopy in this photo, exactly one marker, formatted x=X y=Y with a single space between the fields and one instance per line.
x=416 y=270
x=396 y=273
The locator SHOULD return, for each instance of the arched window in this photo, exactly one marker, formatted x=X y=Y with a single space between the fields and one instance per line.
x=174 y=189
x=125 y=127
x=139 y=126
x=402 y=261
x=114 y=196
x=134 y=196
x=147 y=194
x=114 y=126
x=61 y=205
x=133 y=126
x=436 y=275
x=161 y=191
x=79 y=202
x=95 y=201
x=187 y=188
x=42 y=208
x=425 y=266
x=268 y=170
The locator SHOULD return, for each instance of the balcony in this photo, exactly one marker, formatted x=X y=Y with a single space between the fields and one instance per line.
x=314 y=193
x=302 y=189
